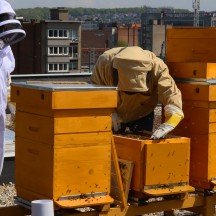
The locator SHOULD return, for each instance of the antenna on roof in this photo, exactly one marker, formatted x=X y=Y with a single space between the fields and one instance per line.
x=196 y=7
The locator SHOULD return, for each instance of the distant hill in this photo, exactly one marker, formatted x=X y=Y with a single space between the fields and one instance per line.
x=81 y=14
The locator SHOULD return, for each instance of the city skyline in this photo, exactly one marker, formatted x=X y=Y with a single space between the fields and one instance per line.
x=205 y=5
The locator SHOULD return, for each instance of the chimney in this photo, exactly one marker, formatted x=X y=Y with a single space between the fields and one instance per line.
x=59 y=13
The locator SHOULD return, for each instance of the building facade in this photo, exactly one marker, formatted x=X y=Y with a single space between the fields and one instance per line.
x=96 y=41
x=51 y=46
x=154 y=25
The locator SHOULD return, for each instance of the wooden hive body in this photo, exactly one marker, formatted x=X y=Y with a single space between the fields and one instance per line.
x=199 y=123
x=192 y=61
x=191 y=45
x=156 y=163
x=63 y=141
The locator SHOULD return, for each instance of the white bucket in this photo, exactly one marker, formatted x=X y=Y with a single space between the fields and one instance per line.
x=42 y=208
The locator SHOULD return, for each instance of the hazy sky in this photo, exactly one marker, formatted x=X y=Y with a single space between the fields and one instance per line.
x=206 y=5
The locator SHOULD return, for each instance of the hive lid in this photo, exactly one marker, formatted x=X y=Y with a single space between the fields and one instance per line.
x=62 y=86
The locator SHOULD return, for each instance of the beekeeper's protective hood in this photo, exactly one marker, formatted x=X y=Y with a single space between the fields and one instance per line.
x=133 y=65
x=11 y=30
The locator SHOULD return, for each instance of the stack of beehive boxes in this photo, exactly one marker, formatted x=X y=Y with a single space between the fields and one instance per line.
x=191 y=58
x=63 y=142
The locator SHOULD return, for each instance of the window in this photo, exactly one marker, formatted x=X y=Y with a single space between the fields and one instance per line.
x=58 y=33
x=73 y=65
x=58 y=50
x=60 y=67
x=74 y=35
x=73 y=51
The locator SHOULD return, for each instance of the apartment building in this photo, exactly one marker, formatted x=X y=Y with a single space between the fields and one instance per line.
x=51 y=46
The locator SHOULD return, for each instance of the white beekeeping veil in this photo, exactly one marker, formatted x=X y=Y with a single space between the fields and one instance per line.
x=11 y=30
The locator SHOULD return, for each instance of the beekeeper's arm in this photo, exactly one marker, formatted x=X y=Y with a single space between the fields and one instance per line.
x=170 y=97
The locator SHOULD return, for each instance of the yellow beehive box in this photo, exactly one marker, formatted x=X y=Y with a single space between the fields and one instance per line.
x=63 y=142
x=197 y=120
x=156 y=163
x=192 y=70
x=44 y=128
x=198 y=91
x=199 y=124
x=66 y=168
x=202 y=159
x=191 y=45
x=48 y=100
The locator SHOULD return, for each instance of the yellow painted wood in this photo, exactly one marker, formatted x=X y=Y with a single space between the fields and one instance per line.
x=190 y=32
x=202 y=158
x=201 y=104
x=166 y=163
x=192 y=70
x=44 y=102
x=44 y=129
x=81 y=165
x=191 y=45
x=126 y=168
x=34 y=167
x=83 y=169
x=90 y=201
x=197 y=120
x=197 y=91
x=118 y=175
x=155 y=160
x=168 y=191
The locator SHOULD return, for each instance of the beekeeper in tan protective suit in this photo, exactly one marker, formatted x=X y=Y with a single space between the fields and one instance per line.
x=143 y=80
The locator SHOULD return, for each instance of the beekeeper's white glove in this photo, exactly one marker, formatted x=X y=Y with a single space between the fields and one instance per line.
x=173 y=115
x=162 y=131
x=116 y=122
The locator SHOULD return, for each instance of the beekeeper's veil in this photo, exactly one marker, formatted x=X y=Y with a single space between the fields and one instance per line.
x=11 y=30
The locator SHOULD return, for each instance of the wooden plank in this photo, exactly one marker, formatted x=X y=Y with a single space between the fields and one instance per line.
x=126 y=170
x=169 y=162
x=191 y=45
x=191 y=124
x=202 y=157
x=44 y=129
x=190 y=32
x=192 y=70
x=122 y=197
x=191 y=50
x=197 y=91
x=169 y=191
x=89 y=201
x=200 y=104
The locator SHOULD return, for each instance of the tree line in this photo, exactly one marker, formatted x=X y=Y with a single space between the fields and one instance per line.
x=43 y=13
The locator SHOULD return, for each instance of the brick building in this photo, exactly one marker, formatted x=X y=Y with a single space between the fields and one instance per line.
x=96 y=41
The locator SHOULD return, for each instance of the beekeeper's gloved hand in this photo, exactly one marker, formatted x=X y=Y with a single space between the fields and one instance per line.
x=162 y=131
x=173 y=115
x=116 y=122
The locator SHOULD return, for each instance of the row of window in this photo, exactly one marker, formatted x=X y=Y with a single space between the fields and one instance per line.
x=58 y=50
x=63 y=33
x=62 y=67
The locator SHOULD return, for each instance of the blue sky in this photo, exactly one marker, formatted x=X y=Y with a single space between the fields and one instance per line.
x=206 y=5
